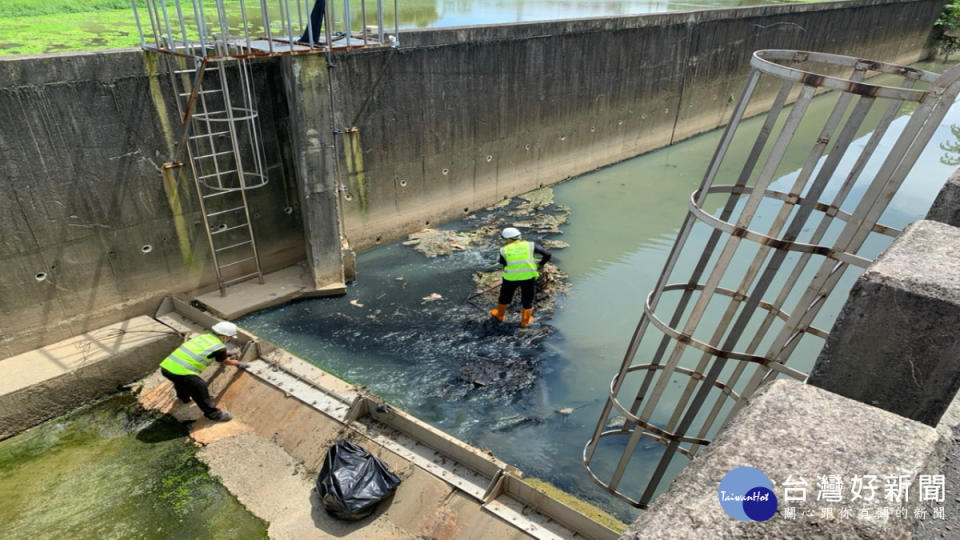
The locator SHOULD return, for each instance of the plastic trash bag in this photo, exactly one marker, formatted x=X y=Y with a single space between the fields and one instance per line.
x=352 y=481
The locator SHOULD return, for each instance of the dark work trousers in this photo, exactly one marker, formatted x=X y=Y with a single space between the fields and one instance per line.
x=192 y=387
x=316 y=20
x=528 y=289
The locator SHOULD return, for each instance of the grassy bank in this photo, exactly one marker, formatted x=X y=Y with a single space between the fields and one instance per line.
x=44 y=26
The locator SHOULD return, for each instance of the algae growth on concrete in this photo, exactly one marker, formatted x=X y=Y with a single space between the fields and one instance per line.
x=113 y=470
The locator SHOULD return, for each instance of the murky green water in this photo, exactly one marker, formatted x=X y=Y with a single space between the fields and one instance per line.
x=114 y=471
x=623 y=223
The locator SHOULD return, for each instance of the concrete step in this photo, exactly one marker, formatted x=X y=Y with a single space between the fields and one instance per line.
x=43 y=383
x=277 y=288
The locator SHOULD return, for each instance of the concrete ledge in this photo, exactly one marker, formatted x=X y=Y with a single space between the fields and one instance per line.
x=277 y=288
x=895 y=344
x=44 y=383
x=792 y=431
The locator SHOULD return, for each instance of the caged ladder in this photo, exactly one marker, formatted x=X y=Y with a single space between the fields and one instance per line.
x=223 y=143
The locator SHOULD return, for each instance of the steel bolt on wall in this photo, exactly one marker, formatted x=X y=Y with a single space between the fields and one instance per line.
x=748 y=334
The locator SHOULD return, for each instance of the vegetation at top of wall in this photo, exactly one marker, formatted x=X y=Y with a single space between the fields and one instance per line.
x=946 y=30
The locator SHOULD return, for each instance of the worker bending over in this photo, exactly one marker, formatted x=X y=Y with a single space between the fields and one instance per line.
x=520 y=269
x=184 y=365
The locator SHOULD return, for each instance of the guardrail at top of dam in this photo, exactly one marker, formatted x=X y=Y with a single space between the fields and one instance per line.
x=218 y=29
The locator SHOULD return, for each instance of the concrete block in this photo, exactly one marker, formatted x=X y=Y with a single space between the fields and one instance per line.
x=946 y=207
x=44 y=383
x=795 y=432
x=895 y=344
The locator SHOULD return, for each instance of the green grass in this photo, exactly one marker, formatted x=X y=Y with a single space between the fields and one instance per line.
x=44 y=26
x=27 y=8
x=53 y=33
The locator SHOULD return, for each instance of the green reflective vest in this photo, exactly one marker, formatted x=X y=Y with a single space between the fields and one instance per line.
x=521 y=264
x=191 y=357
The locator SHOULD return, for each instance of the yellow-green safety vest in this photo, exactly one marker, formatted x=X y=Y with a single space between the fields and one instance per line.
x=521 y=263
x=191 y=357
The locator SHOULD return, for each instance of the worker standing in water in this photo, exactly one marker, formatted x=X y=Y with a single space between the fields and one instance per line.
x=520 y=269
x=184 y=365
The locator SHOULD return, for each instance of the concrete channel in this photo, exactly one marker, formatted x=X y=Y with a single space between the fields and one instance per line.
x=288 y=412
x=101 y=252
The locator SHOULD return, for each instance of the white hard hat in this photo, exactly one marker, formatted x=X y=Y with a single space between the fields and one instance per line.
x=510 y=232
x=225 y=328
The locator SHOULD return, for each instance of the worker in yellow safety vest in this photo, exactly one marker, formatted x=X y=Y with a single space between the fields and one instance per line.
x=184 y=365
x=520 y=270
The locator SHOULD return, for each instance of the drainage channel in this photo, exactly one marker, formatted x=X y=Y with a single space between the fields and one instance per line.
x=494 y=486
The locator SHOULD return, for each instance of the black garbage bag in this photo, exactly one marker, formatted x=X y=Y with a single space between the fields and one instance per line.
x=352 y=481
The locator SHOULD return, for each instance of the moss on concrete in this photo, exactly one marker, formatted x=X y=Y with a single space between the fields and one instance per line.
x=114 y=471
x=577 y=504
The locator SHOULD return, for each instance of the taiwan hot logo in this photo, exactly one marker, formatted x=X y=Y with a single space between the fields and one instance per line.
x=747 y=494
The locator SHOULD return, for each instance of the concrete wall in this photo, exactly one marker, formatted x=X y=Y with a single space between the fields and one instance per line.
x=459 y=119
x=81 y=140
x=464 y=117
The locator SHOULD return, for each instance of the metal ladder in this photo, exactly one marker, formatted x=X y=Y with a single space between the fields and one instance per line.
x=218 y=136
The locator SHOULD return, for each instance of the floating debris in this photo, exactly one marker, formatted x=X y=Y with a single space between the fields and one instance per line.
x=616 y=422
x=433 y=242
x=355 y=303
x=554 y=244
x=534 y=201
x=515 y=421
x=543 y=223
x=432 y=297
x=565 y=411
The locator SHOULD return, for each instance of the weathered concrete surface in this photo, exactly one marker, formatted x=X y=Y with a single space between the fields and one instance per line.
x=270 y=453
x=277 y=488
x=307 y=88
x=48 y=382
x=895 y=344
x=792 y=431
x=946 y=207
x=456 y=123
x=82 y=137
x=465 y=116
x=277 y=288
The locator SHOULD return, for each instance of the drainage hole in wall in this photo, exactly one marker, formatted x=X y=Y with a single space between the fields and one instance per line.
x=348 y=196
x=41 y=276
x=563 y=137
x=445 y=172
x=593 y=129
x=220 y=227
x=489 y=159
x=147 y=248
x=379 y=238
x=288 y=210
x=427 y=223
x=526 y=147
x=403 y=183
x=466 y=210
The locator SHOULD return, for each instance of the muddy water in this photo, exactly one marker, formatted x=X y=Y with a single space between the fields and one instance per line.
x=114 y=471
x=420 y=353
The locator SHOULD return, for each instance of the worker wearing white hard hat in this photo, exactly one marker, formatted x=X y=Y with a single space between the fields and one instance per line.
x=520 y=271
x=184 y=365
